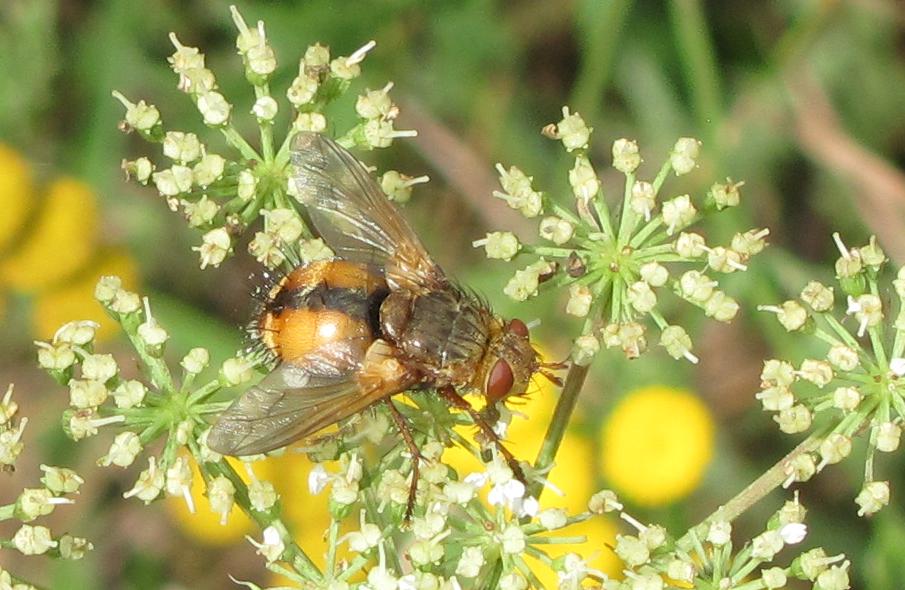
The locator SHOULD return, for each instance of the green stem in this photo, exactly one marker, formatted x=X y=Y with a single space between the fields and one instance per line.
x=7 y=512
x=235 y=139
x=759 y=488
x=557 y=429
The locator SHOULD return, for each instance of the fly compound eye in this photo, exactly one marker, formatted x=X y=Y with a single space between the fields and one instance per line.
x=499 y=381
x=518 y=327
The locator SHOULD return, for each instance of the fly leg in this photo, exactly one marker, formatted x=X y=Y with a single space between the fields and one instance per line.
x=448 y=393
x=405 y=430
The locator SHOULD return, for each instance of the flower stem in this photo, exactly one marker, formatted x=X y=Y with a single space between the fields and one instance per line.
x=758 y=489
x=557 y=429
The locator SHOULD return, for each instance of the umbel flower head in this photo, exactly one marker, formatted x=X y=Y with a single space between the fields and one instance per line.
x=859 y=380
x=616 y=265
x=706 y=557
x=30 y=504
x=225 y=194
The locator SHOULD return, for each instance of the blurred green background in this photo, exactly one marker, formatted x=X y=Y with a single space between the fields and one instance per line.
x=804 y=100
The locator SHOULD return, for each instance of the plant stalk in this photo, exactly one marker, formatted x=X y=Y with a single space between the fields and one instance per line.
x=558 y=423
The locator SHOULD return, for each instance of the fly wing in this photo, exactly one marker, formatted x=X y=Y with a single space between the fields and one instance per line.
x=353 y=215
x=292 y=403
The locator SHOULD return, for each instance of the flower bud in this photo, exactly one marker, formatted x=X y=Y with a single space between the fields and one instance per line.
x=696 y=287
x=643 y=199
x=604 y=501
x=398 y=186
x=74 y=548
x=725 y=194
x=887 y=436
x=55 y=358
x=690 y=245
x=820 y=373
x=777 y=372
x=215 y=245
x=584 y=349
x=583 y=180
x=773 y=578
x=60 y=480
x=208 y=170
x=846 y=398
x=680 y=570
x=684 y=154
x=86 y=393
x=221 y=496
x=641 y=297
x=766 y=545
x=794 y=419
x=302 y=90
x=129 y=394
x=33 y=540
x=265 y=109
x=720 y=533
x=843 y=357
x=313 y=250
x=750 y=243
x=262 y=495
x=559 y=231
x=142 y=117
x=571 y=130
x=125 y=448
x=173 y=181
x=500 y=245
x=247 y=183
x=872 y=255
x=677 y=343
x=150 y=483
x=315 y=122
x=872 y=497
x=236 y=371
x=721 y=307
x=196 y=360
x=834 y=578
x=802 y=468
x=632 y=550
x=678 y=213
x=580 y=299
x=776 y=398
x=125 y=302
x=835 y=448
x=818 y=296
x=214 y=109
x=626 y=156
x=181 y=147
x=654 y=274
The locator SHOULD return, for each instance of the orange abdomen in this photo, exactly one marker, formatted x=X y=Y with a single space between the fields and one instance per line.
x=326 y=309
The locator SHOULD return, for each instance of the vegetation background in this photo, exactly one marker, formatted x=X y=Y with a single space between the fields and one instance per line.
x=804 y=100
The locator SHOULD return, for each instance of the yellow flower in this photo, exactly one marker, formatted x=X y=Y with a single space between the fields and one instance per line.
x=16 y=194
x=60 y=242
x=204 y=525
x=656 y=444
x=75 y=299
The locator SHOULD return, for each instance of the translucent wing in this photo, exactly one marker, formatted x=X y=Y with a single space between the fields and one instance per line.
x=354 y=216
x=293 y=402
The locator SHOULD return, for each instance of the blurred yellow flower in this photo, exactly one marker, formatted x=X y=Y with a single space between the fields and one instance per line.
x=55 y=307
x=16 y=194
x=306 y=514
x=656 y=444
x=60 y=242
x=48 y=248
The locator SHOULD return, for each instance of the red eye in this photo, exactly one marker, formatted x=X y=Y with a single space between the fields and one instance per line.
x=499 y=382
x=518 y=327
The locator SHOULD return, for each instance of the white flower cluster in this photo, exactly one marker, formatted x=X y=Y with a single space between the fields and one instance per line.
x=617 y=266
x=33 y=503
x=859 y=381
x=224 y=194
x=706 y=556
